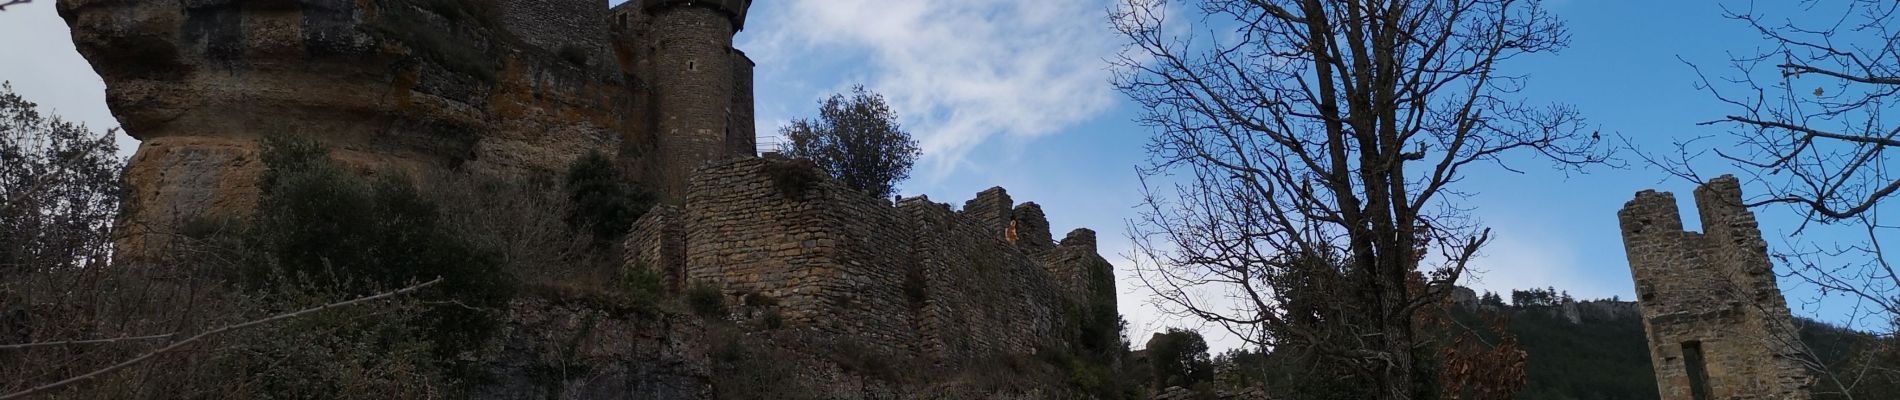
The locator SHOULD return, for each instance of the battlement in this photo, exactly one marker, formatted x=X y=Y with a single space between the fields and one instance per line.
x=1717 y=323
x=912 y=278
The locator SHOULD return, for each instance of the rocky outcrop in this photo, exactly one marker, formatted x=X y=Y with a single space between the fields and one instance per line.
x=393 y=85
x=387 y=84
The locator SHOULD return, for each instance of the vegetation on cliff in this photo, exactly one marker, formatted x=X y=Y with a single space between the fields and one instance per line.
x=602 y=203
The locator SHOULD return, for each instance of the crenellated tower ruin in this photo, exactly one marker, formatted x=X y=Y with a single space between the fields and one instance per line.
x=1718 y=326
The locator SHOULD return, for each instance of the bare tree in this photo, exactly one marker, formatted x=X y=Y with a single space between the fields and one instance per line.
x=1305 y=159
x=1808 y=133
x=59 y=189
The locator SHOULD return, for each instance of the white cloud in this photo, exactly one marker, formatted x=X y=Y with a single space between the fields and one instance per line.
x=45 y=68
x=960 y=72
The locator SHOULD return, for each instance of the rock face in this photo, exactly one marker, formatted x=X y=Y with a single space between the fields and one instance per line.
x=496 y=87
x=1718 y=325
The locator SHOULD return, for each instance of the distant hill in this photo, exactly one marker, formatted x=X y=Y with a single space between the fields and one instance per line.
x=1590 y=350
x=1596 y=350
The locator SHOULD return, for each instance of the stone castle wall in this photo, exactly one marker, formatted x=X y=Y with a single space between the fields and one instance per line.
x=1718 y=326
x=914 y=278
x=828 y=258
x=979 y=295
x=554 y=25
x=658 y=242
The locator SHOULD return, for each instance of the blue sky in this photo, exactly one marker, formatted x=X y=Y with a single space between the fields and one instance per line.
x=1016 y=94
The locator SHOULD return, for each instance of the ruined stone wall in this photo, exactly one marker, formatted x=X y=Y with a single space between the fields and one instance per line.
x=1029 y=228
x=979 y=295
x=1717 y=324
x=658 y=242
x=992 y=209
x=827 y=257
x=915 y=277
x=198 y=83
x=553 y=25
x=1078 y=268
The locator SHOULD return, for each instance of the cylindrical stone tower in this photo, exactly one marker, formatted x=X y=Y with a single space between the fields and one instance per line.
x=693 y=74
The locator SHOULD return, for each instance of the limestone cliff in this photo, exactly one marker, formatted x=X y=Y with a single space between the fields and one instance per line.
x=506 y=88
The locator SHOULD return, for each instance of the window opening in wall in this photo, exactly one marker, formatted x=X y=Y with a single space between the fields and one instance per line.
x=692 y=65
x=1698 y=372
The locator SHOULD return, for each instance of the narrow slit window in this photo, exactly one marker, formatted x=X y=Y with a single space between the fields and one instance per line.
x=692 y=66
x=1698 y=372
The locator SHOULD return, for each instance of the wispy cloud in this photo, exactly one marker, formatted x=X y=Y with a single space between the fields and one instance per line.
x=960 y=72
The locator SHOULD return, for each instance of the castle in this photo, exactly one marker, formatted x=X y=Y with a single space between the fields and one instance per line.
x=1718 y=326
x=520 y=90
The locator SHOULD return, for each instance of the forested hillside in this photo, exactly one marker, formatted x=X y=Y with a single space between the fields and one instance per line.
x=1585 y=350
x=1596 y=350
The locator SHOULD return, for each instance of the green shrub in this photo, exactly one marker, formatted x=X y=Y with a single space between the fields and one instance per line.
x=643 y=285
x=772 y=320
x=602 y=201
x=706 y=300
x=319 y=228
x=1179 y=358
